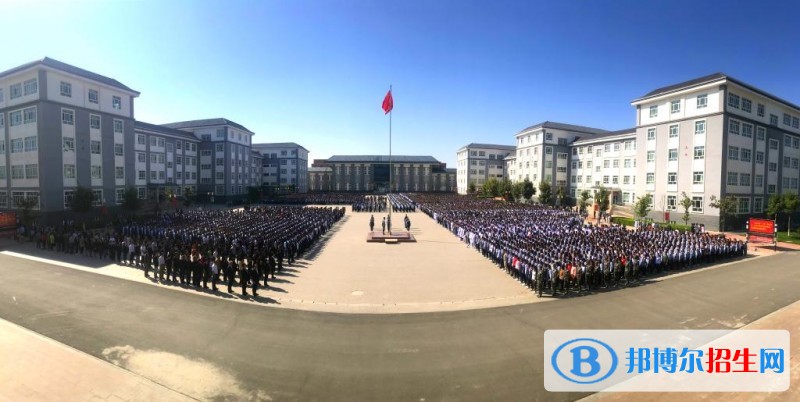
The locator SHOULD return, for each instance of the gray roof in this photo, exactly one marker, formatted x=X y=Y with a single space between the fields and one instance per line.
x=494 y=146
x=278 y=145
x=510 y=157
x=706 y=80
x=564 y=126
x=140 y=125
x=606 y=134
x=381 y=159
x=205 y=123
x=70 y=69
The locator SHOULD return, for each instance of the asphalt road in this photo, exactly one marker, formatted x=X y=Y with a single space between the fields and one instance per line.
x=492 y=354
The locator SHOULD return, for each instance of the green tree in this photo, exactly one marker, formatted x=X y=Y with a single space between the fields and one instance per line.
x=130 y=200
x=82 y=200
x=545 y=192
x=727 y=205
x=26 y=206
x=790 y=204
x=560 y=195
x=601 y=197
x=471 y=188
x=491 y=188
x=528 y=191
x=517 y=189
x=775 y=206
x=686 y=203
x=188 y=196
x=642 y=206
x=253 y=194
x=583 y=202
x=505 y=189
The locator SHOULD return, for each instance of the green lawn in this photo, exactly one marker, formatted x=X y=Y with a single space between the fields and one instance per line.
x=793 y=238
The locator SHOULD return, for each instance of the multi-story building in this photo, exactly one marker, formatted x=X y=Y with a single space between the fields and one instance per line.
x=716 y=136
x=480 y=162
x=62 y=127
x=371 y=173
x=256 y=169
x=165 y=161
x=320 y=179
x=285 y=164
x=605 y=160
x=224 y=157
x=542 y=152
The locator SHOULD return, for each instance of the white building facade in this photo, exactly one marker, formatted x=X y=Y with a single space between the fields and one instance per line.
x=477 y=163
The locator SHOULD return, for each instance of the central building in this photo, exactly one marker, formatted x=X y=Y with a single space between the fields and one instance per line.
x=379 y=173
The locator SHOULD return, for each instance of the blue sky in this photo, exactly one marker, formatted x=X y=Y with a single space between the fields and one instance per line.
x=315 y=72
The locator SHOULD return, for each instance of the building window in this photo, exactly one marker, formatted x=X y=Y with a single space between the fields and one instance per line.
x=697 y=204
x=761 y=133
x=68 y=144
x=95 y=146
x=31 y=87
x=697 y=177
x=675 y=106
x=760 y=157
x=733 y=179
x=97 y=198
x=744 y=179
x=772 y=167
x=94 y=121
x=651 y=178
x=700 y=127
x=759 y=181
x=672 y=178
x=770 y=189
x=672 y=202
x=93 y=97
x=651 y=134
x=118 y=126
x=651 y=156
x=66 y=89
x=773 y=144
x=69 y=171
x=68 y=117
x=744 y=205
x=17 y=171
x=702 y=101
x=29 y=115
x=116 y=103
x=15 y=118
x=219 y=147
x=627 y=163
x=733 y=100
x=547 y=151
x=118 y=150
x=161 y=142
x=654 y=111
x=747 y=105
x=31 y=144
x=673 y=131
x=773 y=119
x=15 y=91
x=119 y=172
x=733 y=153
x=700 y=152
x=68 y=196
x=787 y=120
x=32 y=171
x=97 y=172
x=758 y=205
x=795 y=122
x=733 y=127
x=747 y=130
x=760 y=110
x=17 y=145
x=745 y=155
x=673 y=154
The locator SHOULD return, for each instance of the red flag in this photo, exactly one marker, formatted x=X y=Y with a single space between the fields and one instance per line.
x=388 y=103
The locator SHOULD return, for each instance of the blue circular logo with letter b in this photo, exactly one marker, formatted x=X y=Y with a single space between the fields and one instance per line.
x=584 y=360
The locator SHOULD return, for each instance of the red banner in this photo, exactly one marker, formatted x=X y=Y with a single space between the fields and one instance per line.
x=760 y=239
x=8 y=220
x=764 y=227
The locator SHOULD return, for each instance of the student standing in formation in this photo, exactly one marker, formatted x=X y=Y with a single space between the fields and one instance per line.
x=371 y=222
x=383 y=225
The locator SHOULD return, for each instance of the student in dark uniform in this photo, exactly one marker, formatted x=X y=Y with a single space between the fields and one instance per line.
x=243 y=277
x=371 y=223
x=229 y=274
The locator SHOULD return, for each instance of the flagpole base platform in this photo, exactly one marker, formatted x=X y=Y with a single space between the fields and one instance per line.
x=391 y=238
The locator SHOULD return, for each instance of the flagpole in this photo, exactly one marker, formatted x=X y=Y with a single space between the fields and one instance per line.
x=391 y=168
